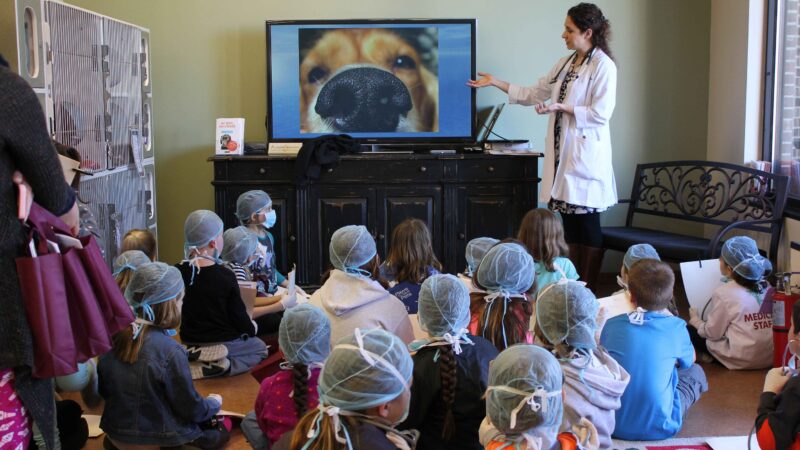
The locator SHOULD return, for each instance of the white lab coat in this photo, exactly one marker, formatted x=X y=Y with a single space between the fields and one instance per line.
x=737 y=333
x=585 y=174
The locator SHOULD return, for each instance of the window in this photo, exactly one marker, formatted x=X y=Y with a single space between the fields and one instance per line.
x=782 y=95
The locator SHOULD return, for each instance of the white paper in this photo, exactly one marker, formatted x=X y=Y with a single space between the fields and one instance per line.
x=732 y=443
x=700 y=278
x=292 y=288
x=94 y=425
x=68 y=241
x=616 y=304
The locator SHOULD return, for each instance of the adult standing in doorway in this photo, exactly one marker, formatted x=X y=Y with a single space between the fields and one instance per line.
x=578 y=179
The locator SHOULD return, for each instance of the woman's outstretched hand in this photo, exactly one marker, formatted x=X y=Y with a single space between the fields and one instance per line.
x=544 y=108
x=486 y=79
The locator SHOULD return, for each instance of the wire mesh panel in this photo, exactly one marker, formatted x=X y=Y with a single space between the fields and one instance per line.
x=124 y=87
x=79 y=113
x=119 y=203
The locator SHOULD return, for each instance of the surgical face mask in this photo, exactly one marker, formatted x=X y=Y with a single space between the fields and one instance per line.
x=171 y=332
x=272 y=217
x=790 y=360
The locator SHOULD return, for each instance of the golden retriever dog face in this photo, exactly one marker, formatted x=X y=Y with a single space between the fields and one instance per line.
x=366 y=80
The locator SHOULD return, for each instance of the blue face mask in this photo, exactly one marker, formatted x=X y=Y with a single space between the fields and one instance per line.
x=170 y=332
x=272 y=217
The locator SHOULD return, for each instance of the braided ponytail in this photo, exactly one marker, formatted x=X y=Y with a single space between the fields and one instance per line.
x=447 y=370
x=588 y=16
x=300 y=395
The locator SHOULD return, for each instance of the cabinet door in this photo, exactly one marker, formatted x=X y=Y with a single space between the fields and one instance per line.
x=332 y=207
x=283 y=202
x=485 y=210
x=396 y=204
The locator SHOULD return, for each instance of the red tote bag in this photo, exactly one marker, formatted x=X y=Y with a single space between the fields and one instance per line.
x=41 y=279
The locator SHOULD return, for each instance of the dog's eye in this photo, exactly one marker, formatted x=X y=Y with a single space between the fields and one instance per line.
x=317 y=74
x=404 y=62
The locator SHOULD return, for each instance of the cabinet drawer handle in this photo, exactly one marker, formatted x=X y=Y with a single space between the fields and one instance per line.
x=330 y=169
x=490 y=169
x=423 y=169
x=292 y=238
x=461 y=236
x=262 y=170
x=380 y=237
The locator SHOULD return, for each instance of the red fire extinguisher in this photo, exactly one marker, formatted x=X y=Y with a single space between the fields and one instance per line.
x=782 y=303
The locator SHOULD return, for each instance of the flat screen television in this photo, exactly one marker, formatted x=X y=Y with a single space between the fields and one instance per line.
x=380 y=81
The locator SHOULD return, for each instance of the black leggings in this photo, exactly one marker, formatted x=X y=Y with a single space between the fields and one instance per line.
x=583 y=229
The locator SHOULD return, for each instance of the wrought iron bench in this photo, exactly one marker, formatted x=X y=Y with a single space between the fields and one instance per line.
x=725 y=195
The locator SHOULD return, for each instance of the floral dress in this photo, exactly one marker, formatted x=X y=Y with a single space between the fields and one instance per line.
x=560 y=205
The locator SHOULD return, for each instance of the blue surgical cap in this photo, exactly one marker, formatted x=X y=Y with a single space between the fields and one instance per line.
x=639 y=251
x=476 y=250
x=151 y=284
x=507 y=268
x=741 y=253
x=201 y=227
x=250 y=203
x=305 y=335
x=239 y=244
x=524 y=390
x=566 y=313
x=443 y=305
x=129 y=260
x=364 y=370
x=351 y=247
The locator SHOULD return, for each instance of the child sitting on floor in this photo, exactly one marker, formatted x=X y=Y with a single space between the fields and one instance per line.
x=142 y=240
x=506 y=275
x=149 y=396
x=524 y=404
x=779 y=407
x=254 y=210
x=305 y=339
x=634 y=253
x=450 y=369
x=543 y=235
x=409 y=262
x=364 y=390
x=125 y=266
x=735 y=327
x=214 y=317
x=352 y=294
x=593 y=381
x=474 y=253
x=654 y=348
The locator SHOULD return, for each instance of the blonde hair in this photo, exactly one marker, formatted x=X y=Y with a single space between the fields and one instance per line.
x=124 y=278
x=411 y=251
x=167 y=315
x=142 y=240
x=542 y=234
x=326 y=440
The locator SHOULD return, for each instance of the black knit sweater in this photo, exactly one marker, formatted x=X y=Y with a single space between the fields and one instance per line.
x=24 y=146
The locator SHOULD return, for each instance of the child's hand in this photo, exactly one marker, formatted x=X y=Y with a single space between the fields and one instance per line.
x=775 y=380
x=586 y=433
x=694 y=318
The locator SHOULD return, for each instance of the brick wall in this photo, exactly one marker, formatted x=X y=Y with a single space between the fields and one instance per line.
x=789 y=104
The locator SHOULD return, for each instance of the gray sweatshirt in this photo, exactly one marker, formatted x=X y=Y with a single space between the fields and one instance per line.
x=354 y=302
x=596 y=396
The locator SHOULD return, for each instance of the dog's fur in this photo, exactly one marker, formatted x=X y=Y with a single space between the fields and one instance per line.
x=340 y=49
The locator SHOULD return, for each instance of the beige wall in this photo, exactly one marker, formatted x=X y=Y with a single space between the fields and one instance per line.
x=208 y=61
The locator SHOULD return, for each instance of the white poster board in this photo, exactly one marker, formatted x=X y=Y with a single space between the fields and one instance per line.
x=616 y=304
x=700 y=278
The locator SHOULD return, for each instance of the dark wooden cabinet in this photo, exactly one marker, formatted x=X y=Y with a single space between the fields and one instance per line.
x=460 y=197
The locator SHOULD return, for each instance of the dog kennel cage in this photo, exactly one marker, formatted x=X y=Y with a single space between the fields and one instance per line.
x=92 y=75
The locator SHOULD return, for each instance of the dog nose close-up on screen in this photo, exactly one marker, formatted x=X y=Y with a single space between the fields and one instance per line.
x=364 y=99
x=367 y=80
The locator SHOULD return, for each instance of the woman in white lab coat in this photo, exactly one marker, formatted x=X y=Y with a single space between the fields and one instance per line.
x=578 y=179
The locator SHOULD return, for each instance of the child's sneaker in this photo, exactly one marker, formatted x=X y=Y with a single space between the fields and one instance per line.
x=201 y=370
x=206 y=353
x=705 y=358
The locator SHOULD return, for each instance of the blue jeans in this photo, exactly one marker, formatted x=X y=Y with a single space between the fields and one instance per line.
x=252 y=432
x=245 y=353
x=692 y=383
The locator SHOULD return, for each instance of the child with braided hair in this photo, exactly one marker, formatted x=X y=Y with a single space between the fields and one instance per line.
x=304 y=337
x=450 y=369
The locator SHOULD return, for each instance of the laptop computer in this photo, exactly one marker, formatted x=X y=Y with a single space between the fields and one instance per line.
x=488 y=124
